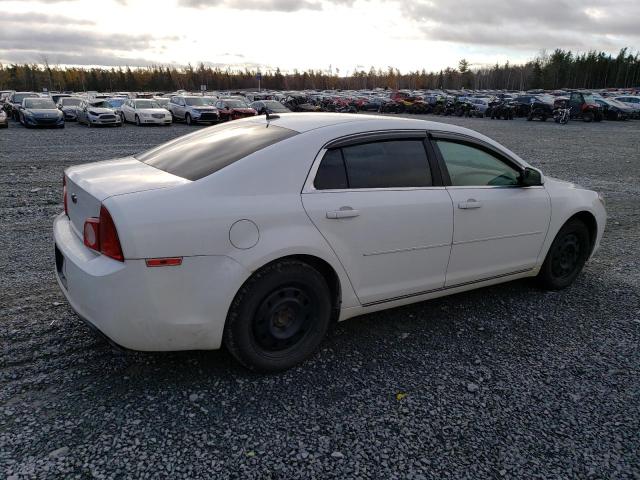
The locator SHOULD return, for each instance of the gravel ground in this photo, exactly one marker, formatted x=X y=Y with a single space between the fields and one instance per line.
x=503 y=382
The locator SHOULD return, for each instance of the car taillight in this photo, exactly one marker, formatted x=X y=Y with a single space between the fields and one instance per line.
x=64 y=194
x=100 y=234
x=109 y=241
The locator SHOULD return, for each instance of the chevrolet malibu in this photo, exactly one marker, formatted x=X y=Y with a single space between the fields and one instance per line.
x=258 y=234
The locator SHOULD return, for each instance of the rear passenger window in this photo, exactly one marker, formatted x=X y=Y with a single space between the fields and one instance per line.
x=331 y=173
x=381 y=164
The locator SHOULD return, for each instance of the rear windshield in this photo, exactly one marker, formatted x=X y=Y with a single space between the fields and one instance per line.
x=202 y=153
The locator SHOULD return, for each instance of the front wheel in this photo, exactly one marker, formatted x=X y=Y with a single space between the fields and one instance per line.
x=279 y=317
x=187 y=119
x=138 y=121
x=566 y=257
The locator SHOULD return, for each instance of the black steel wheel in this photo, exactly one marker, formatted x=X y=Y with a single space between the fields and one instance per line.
x=566 y=257
x=284 y=317
x=279 y=316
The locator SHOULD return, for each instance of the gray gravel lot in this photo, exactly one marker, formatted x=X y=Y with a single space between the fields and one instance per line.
x=504 y=382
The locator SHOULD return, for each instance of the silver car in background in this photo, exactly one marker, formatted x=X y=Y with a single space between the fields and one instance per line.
x=69 y=107
x=193 y=109
x=97 y=113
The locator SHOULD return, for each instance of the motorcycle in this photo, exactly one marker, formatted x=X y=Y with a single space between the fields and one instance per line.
x=500 y=109
x=561 y=115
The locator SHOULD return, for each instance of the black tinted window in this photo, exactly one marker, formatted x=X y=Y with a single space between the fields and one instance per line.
x=331 y=173
x=202 y=153
x=385 y=164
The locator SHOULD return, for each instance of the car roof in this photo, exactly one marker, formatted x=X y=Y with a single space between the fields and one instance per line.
x=304 y=122
x=356 y=123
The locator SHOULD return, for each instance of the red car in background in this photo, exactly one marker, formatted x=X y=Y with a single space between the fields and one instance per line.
x=233 y=109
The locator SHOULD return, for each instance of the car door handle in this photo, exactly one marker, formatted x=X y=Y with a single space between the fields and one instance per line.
x=344 y=212
x=470 y=204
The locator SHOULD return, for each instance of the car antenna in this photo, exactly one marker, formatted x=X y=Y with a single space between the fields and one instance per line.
x=270 y=116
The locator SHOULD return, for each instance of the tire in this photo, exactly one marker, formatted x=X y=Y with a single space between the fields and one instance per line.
x=587 y=117
x=566 y=257
x=529 y=117
x=89 y=124
x=138 y=124
x=187 y=119
x=123 y=118
x=279 y=317
x=543 y=117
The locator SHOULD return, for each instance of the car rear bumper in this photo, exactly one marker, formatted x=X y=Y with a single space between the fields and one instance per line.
x=142 y=308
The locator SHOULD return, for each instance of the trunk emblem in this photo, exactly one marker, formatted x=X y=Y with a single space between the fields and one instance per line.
x=74 y=198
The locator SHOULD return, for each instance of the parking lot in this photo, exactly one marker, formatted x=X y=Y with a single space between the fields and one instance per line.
x=503 y=382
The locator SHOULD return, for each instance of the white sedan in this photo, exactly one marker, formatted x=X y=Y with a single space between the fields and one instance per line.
x=259 y=233
x=143 y=112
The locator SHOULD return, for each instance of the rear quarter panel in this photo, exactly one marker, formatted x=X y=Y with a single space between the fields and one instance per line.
x=195 y=219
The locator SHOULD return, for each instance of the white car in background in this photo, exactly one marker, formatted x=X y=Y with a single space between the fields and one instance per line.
x=144 y=112
x=633 y=101
x=259 y=233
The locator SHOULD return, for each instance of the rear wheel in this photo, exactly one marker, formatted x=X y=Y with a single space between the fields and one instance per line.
x=279 y=317
x=566 y=257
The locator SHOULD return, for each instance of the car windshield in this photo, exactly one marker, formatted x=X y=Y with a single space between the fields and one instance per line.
x=70 y=102
x=588 y=98
x=146 y=104
x=115 y=102
x=196 y=101
x=545 y=98
x=613 y=101
x=202 y=153
x=104 y=104
x=18 y=97
x=275 y=106
x=39 y=103
x=236 y=104
x=162 y=101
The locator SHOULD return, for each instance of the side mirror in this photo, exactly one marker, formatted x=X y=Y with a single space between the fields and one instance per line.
x=531 y=178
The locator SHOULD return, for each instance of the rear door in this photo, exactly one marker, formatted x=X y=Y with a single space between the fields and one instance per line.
x=384 y=212
x=499 y=226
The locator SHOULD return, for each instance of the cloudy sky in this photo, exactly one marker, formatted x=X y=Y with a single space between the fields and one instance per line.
x=343 y=34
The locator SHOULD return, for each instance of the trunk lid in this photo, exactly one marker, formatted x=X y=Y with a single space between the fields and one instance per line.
x=90 y=184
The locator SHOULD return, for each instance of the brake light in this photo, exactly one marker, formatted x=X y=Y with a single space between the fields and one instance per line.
x=100 y=234
x=109 y=241
x=64 y=194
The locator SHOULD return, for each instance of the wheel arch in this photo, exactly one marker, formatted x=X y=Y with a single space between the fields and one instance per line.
x=591 y=223
x=323 y=267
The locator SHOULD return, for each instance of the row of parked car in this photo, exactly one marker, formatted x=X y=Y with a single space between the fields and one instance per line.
x=53 y=110
x=93 y=109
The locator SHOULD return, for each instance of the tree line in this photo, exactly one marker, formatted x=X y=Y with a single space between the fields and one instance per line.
x=557 y=70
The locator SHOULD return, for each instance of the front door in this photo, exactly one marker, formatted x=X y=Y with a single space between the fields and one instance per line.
x=499 y=226
x=377 y=207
